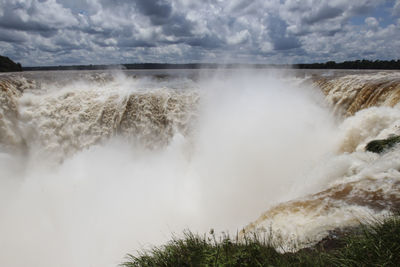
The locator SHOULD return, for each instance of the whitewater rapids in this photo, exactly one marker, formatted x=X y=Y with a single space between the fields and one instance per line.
x=94 y=165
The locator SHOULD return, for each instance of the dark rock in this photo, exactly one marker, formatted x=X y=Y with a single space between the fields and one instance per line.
x=7 y=65
x=379 y=146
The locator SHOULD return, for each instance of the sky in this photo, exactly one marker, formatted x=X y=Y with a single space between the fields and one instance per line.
x=68 y=32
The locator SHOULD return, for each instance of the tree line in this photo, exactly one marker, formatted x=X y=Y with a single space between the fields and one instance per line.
x=356 y=64
x=7 y=64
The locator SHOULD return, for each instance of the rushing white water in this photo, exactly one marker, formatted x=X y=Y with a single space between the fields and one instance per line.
x=98 y=166
x=348 y=188
x=352 y=185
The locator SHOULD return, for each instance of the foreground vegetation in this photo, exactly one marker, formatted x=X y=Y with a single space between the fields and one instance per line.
x=374 y=244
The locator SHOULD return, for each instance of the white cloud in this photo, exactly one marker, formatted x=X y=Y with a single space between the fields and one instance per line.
x=396 y=9
x=35 y=15
x=239 y=37
x=371 y=22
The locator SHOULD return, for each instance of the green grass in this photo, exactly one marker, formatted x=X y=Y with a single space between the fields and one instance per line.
x=374 y=244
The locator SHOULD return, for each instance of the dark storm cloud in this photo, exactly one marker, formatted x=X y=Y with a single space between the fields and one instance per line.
x=132 y=43
x=12 y=20
x=281 y=39
x=113 y=31
x=324 y=13
x=39 y=16
x=10 y=36
x=178 y=26
x=158 y=11
x=9 y=21
x=207 y=41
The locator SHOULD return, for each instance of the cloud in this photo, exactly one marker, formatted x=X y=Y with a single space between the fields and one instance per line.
x=324 y=12
x=239 y=37
x=45 y=32
x=10 y=36
x=40 y=16
x=280 y=37
x=371 y=22
x=396 y=9
x=206 y=41
x=159 y=11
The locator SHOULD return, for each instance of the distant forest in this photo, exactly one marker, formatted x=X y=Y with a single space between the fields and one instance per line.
x=7 y=64
x=357 y=64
